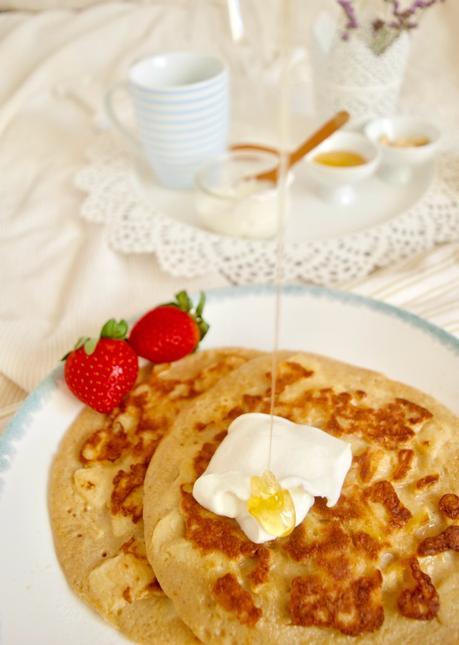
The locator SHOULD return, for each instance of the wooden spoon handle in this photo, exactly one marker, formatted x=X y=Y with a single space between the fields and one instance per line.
x=326 y=130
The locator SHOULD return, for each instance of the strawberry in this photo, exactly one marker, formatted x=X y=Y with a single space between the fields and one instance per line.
x=170 y=331
x=101 y=371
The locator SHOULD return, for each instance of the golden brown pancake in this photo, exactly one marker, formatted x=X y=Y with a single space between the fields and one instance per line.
x=382 y=566
x=96 y=495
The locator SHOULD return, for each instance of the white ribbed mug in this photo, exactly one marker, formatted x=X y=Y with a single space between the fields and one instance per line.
x=181 y=105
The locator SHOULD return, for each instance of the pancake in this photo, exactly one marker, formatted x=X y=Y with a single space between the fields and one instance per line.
x=382 y=566
x=96 y=493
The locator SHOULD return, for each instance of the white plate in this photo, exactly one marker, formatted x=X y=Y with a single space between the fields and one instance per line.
x=36 y=605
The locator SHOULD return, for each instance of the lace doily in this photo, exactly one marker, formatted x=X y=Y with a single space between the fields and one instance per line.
x=135 y=226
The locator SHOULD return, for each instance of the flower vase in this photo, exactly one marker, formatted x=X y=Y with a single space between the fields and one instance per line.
x=348 y=75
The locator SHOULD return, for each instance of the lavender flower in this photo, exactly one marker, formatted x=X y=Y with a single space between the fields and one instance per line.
x=386 y=31
x=351 y=17
x=407 y=19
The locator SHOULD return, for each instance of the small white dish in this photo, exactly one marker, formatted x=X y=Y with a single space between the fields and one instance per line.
x=393 y=135
x=229 y=202
x=336 y=183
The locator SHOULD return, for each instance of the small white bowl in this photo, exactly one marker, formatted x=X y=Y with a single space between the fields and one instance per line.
x=230 y=203
x=336 y=183
x=397 y=162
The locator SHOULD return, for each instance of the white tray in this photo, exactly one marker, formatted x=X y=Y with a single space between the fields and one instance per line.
x=325 y=244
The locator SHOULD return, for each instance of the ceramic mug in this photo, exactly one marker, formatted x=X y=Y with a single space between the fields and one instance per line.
x=181 y=105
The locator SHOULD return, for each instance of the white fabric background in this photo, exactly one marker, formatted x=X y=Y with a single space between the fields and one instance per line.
x=41 y=5
x=58 y=279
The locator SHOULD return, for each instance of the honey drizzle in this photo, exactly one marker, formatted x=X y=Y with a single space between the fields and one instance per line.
x=271 y=505
x=282 y=203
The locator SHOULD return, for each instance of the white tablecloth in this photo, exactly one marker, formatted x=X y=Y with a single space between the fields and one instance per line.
x=58 y=278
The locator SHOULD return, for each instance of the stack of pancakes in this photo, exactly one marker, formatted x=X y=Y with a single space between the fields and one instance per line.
x=382 y=565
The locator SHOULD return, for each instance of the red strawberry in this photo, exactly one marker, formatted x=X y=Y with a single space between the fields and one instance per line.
x=101 y=371
x=170 y=331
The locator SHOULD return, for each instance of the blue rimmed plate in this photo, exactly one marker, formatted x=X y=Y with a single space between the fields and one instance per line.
x=37 y=606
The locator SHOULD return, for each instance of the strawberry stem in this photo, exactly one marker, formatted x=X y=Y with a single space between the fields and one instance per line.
x=203 y=326
x=111 y=329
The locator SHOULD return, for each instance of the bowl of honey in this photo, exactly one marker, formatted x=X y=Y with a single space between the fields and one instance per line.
x=341 y=162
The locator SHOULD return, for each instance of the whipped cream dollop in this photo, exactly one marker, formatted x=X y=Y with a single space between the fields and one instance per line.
x=307 y=462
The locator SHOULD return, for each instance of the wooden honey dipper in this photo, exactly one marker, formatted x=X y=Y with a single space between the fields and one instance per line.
x=325 y=131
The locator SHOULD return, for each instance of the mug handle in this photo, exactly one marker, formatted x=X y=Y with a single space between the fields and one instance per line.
x=113 y=117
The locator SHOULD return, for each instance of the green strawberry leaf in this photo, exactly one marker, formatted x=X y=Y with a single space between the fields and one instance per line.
x=121 y=330
x=108 y=329
x=203 y=327
x=184 y=301
x=201 y=303
x=80 y=342
x=114 y=330
x=90 y=346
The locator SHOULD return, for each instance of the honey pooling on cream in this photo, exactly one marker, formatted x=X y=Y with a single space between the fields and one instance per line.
x=271 y=505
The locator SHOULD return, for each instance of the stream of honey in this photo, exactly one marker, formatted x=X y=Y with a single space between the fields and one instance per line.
x=271 y=505
x=282 y=203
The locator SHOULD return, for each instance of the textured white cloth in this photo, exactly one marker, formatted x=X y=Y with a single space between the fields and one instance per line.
x=41 y=5
x=58 y=278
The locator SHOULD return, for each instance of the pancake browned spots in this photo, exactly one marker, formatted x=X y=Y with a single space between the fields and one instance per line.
x=345 y=568
x=444 y=541
x=132 y=433
x=353 y=608
x=98 y=477
x=211 y=533
x=449 y=505
x=420 y=601
x=328 y=549
x=234 y=598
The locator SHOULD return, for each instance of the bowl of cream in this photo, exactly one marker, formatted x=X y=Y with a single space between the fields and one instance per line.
x=231 y=201
x=339 y=163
